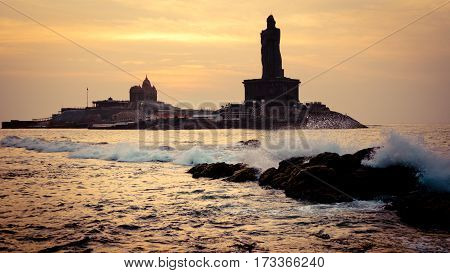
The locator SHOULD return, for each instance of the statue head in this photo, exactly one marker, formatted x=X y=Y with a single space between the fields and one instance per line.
x=270 y=22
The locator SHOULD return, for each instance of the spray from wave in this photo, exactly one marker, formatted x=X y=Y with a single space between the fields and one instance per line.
x=395 y=149
x=42 y=145
x=122 y=152
x=398 y=149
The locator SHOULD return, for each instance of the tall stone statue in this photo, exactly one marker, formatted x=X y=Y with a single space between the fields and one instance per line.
x=274 y=88
x=270 y=51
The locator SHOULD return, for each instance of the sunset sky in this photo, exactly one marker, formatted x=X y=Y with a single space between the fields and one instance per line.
x=200 y=51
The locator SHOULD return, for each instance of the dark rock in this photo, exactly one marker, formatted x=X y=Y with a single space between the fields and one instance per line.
x=252 y=142
x=316 y=184
x=325 y=178
x=245 y=174
x=279 y=181
x=371 y=183
x=397 y=179
x=324 y=159
x=215 y=170
x=365 y=153
x=267 y=176
x=328 y=178
x=345 y=163
x=292 y=162
x=424 y=209
x=322 y=235
x=197 y=168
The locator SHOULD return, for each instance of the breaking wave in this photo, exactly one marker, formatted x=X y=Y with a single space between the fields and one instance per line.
x=399 y=149
x=262 y=157
x=123 y=152
x=395 y=149
x=42 y=145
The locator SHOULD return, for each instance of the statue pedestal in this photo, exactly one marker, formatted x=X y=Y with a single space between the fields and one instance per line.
x=276 y=90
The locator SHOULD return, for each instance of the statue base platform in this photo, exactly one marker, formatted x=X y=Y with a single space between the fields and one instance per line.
x=277 y=90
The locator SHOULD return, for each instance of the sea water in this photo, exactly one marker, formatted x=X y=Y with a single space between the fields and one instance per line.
x=78 y=190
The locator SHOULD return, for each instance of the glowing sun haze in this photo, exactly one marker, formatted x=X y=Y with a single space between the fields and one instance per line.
x=200 y=51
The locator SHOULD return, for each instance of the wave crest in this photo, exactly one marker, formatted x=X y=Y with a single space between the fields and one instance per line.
x=402 y=150
x=395 y=149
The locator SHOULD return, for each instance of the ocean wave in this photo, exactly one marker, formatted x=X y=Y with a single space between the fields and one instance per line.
x=122 y=152
x=42 y=145
x=395 y=149
x=398 y=149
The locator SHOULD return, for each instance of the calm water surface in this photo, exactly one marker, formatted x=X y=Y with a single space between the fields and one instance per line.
x=127 y=191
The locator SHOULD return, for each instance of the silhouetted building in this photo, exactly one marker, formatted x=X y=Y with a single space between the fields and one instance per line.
x=317 y=107
x=273 y=87
x=147 y=92
x=270 y=102
x=110 y=110
x=110 y=102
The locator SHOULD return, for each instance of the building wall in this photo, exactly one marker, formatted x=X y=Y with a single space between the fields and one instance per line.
x=147 y=93
x=282 y=90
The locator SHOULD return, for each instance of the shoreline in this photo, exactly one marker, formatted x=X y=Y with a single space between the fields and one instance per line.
x=326 y=120
x=363 y=226
x=328 y=178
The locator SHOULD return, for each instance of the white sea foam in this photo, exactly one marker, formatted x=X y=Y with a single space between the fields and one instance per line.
x=398 y=149
x=309 y=147
x=194 y=156
x=395 y=149
x=123 y=152
x=343 y=206
x=41 y=145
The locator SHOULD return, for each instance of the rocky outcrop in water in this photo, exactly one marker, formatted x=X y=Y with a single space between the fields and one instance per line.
x=251 y=143
x=331 y=178
x=214 y=170
x=232 y=172
x=424 y=209
x=244 y=174
x=331 y=120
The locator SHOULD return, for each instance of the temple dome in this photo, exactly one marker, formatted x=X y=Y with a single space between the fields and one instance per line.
x=145 y=93
x=146 y=82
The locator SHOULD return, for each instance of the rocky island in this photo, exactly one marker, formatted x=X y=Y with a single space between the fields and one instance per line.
x=271 y=102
